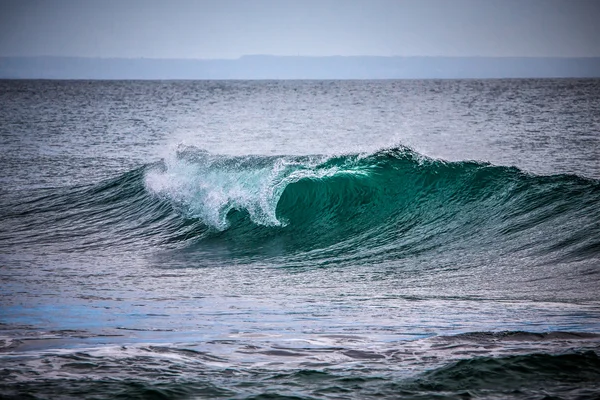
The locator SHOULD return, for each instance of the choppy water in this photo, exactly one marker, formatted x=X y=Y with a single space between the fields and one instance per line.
x=335 y=239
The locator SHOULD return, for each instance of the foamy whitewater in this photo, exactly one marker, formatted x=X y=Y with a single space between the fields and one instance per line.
x=307 y=240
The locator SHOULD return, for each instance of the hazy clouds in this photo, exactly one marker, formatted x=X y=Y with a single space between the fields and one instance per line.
x=231 y=28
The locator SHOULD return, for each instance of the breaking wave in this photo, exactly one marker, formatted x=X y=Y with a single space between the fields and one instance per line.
x=390 y=204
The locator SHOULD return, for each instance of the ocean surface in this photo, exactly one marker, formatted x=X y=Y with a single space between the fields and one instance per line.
x=300 y=239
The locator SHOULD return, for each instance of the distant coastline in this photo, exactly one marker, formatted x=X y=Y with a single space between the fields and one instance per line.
x=299 y=67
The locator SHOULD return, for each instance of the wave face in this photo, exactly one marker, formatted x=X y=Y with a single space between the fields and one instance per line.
x=573 y=375
x=389 y=205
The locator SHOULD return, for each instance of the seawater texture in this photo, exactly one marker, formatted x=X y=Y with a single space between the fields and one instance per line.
x=395 y=239
x=388 y=205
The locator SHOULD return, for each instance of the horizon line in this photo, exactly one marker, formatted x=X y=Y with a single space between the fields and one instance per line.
x=289 y=56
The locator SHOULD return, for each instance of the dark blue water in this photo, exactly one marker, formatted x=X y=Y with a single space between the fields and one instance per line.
x=300 y=239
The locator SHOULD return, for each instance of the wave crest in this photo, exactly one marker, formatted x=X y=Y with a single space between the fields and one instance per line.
x=211 y=187
x=393 y=201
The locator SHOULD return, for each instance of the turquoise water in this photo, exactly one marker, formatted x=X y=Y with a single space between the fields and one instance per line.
x=300 y=239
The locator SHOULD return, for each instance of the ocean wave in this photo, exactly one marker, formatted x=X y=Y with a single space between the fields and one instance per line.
x=570 y=373
x=390 y=204
x=479 y=364
x=393 y=201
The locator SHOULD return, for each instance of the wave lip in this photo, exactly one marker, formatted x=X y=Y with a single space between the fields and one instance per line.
x=210 y=187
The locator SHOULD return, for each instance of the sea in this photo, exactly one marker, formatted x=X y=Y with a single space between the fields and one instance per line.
x=395 y=239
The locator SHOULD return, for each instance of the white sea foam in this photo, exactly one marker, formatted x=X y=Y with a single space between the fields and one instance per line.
x=208 y=187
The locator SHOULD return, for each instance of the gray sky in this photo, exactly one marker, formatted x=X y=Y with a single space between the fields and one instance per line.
x=231 y=28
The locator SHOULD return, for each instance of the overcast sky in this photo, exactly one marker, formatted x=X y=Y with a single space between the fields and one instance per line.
x=231 y=28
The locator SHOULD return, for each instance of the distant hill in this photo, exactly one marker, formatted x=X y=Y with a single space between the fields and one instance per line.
x=278 y=67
